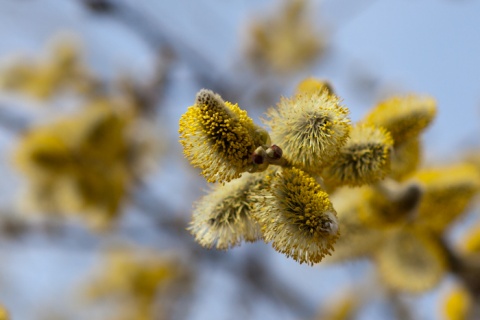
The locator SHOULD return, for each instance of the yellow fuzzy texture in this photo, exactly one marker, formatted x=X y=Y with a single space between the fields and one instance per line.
x=405 y=117
x=219 y=138
x=405 y=159
x=223 y=217
x=447 y=193
x=142 y=283
x=297 y=216
x=378 y=212
x=80 y=163
x=311 y=85
x=43 y=79
x=410 y=260
x=310 y=128
x=285 y=42
x=364 y=159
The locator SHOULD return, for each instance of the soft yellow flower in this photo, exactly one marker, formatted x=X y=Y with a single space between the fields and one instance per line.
x=287 y=42
x=405 y=159
x=4 y=315
x=139 y=283
x=223 y=218
x=310 y=128
x=389 y=204
x=447 y=193
x=44 y=79
x=470 y=242
x=297 y=216
x=411 y=260
x=343 y=307
x=358 y=240
x=311 y=85
x=219 y=137
x=457 y=304
x=364 y=159
x=405 y=117
x=82 y=163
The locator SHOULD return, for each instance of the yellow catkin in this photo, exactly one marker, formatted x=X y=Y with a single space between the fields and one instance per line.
x=310 y=128
x=223 y=218
x=82 y=163
x=140 y=281
x=470 y=242
x=311 y=85
x=219 y=137
x=410 y=260
x=297 y=216
x=42 y=80
x=456 y=304
x=358 y=240
x=405 y=117
x=364 y=159
x=405 y=159
x=4 y=315
x=286 y=42
x=447 y=193
x=378 y=212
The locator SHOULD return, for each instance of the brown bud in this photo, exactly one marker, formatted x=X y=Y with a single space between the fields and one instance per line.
x=274 y=152
x=257 y=158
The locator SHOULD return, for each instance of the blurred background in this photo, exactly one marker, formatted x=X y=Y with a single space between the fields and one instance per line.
x=96 y=196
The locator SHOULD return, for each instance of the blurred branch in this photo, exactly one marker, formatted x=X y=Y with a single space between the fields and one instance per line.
x=157 y=36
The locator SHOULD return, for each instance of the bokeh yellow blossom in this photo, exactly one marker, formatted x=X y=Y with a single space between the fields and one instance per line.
x=143 y=284
x=406 y=158
x=223 y=217
x=4 y=315
x=447 y=193
x=310 y=128
x=285 y=43
x=411 y=260
x=456 y=304
x=343 y=307
x=470 y=242
x=84 y=163
x=297 y=216
x=44 y=79
x=364 y=159
x=219 y=137
x=311 y=85
x=405 y=117
x=357 y=240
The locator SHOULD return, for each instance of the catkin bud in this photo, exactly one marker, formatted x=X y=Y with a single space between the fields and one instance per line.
x=447 y=193
x=222 y=218
x=219 y=137
x=297 y=216
x=405 y=117
x=364 y=159
x=411 y=260
x=310 y=128
x=310 y=85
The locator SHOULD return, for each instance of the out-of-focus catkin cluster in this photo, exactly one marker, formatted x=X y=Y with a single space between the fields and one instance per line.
x=140 y=284
x=82 y=164
x=273 y=185
x=285 y=42
x=4 y=315
x=85 y=162
x=62 y=70
x=400 y=222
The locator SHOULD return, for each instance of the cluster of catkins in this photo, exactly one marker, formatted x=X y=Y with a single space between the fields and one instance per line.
x=273 y=186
